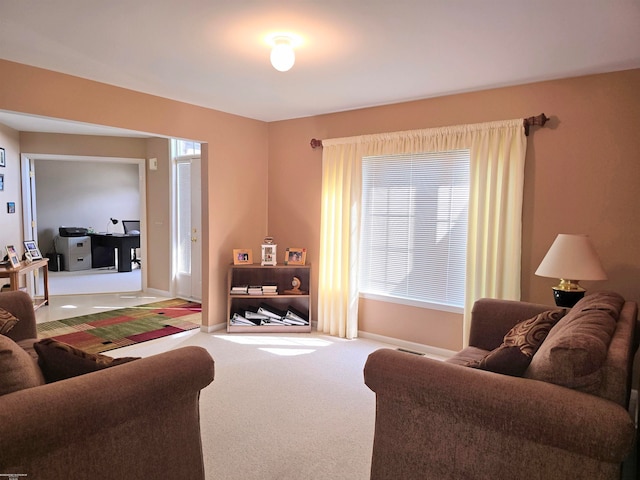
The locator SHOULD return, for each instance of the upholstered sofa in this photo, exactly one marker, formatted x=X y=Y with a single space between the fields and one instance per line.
x=138 y=420
x=565 y=417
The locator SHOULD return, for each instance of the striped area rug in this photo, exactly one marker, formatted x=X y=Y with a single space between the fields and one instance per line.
x=99 y=332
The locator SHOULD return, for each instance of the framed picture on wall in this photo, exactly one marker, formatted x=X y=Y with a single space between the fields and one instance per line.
x=3 y=160
x=1 y=182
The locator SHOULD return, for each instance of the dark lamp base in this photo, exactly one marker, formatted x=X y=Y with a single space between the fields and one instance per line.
x=567 y=298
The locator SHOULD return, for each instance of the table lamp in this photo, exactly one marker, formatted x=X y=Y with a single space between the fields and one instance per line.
x=571 y=258
x=109 y=223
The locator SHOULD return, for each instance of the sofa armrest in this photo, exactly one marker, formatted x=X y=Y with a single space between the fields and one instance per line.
x=20 y=305
x=136 y=420
x=492 y=318
x=515 y=407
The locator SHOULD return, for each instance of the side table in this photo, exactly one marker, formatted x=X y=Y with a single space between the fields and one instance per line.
x=13 y=274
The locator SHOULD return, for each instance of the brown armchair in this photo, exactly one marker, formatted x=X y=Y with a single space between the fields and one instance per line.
x=138 y=420
x=442 y=420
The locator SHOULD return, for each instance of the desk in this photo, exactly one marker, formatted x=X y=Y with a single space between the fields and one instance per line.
x=103 y=250
x=13 y=274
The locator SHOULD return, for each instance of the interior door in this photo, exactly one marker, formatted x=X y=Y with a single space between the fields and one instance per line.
x=188 y=228
x=29 y=215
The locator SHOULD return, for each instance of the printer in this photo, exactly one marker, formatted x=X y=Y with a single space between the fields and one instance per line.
x=73 y=231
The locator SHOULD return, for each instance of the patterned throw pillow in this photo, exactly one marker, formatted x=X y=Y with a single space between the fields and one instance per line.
x=519 y=345
x=58 y=360
x=7 y=321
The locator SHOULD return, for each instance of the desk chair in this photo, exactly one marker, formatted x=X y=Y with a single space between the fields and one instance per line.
x=132 y=227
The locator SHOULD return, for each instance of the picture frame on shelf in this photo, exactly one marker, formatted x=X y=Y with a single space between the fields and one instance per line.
x=32 y=249
x=242 y=256
x=12 y=253
x=3 y=158
x=295 y=256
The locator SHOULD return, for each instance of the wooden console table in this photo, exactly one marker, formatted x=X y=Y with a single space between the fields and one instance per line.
x=13 y=274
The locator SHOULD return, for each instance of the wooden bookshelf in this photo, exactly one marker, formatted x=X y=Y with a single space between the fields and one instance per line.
x=279 y=275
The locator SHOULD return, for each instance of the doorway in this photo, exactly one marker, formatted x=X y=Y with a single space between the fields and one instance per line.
x=98 y=189
x=188 y=219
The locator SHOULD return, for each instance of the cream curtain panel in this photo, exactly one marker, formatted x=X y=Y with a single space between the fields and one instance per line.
x=497 y=151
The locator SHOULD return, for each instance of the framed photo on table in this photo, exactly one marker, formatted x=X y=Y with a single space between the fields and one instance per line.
x=32 y=249
x=14 y=259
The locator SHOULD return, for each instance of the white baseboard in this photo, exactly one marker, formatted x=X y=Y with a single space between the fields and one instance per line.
x=213 y=328
x=416 y=347
x=160 y=293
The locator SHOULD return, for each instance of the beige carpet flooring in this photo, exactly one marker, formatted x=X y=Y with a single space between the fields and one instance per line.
x=282 y=406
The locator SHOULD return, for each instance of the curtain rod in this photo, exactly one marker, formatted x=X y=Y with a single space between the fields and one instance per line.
x=527 y=122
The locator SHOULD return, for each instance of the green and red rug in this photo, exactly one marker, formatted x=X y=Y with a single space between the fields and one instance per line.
x=99 y=332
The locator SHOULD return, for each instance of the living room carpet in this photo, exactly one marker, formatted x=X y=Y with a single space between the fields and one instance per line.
x=282 y=406
x=99 y=332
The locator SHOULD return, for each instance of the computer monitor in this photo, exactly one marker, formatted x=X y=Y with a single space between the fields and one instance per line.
x=131 y=227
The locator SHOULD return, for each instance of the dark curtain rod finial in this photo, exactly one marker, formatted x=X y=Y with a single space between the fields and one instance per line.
x=315 y=143
x=538 y=120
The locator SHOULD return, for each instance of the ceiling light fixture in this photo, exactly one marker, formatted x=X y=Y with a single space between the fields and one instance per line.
x=282 y=55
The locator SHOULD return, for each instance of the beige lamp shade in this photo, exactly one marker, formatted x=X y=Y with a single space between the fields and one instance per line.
x=572 y=257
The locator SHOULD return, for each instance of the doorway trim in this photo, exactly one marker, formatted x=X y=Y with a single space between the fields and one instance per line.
x=28 y=195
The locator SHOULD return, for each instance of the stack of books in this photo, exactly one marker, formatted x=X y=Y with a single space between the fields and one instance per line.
x=254 y=290
x=240 y=290
x=269 y=289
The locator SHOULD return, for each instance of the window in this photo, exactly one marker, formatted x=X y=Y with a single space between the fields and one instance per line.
x=414 y=227
x=185 y=147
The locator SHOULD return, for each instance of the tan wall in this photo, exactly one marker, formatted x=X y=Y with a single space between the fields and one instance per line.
x=582 y=176
x=234 y=164
x=82 y=145
x=159 y=215
x=10 y=223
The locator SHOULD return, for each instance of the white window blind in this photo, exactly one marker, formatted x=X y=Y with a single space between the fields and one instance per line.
x=414 y=226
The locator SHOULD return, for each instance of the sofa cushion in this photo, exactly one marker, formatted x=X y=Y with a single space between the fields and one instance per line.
x=519 y=345
x=7 y=321
x=576 y=348
x=27 y=345
x=17 y=369
x=467 y=355
x=59 y=360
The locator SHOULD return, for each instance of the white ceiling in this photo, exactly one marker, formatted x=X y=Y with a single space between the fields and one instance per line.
x=355 y=53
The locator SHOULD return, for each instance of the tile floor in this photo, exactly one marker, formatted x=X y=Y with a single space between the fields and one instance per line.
x=67 y=306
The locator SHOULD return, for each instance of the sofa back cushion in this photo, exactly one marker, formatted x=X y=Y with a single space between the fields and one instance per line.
x=18 y=370
x=519 y=345
x=576 y=348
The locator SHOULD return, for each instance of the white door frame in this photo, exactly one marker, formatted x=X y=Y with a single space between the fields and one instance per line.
x=28 y=195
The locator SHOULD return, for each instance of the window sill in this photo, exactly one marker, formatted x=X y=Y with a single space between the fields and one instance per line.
x=413 y=303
